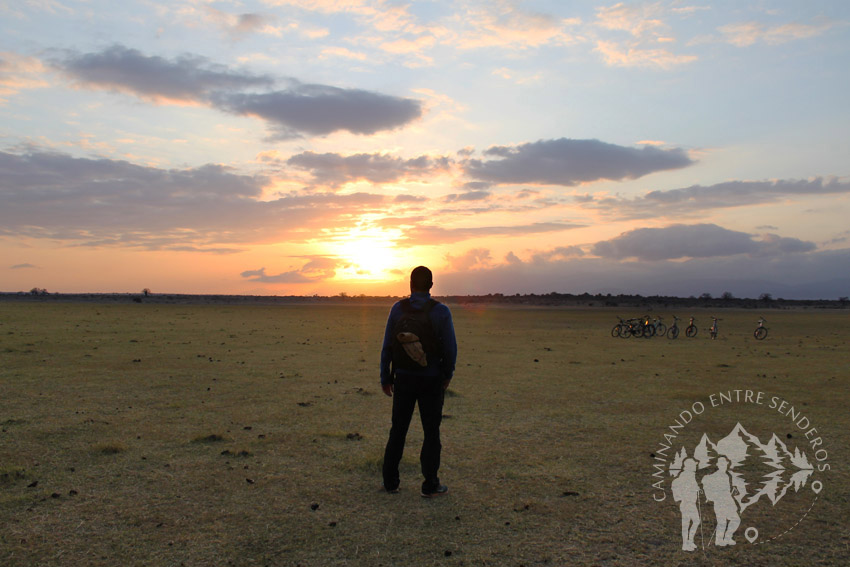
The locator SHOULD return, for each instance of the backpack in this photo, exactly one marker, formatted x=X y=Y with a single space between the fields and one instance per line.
x=414 y=341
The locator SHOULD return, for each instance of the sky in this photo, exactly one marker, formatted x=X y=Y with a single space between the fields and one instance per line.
x=301 y=147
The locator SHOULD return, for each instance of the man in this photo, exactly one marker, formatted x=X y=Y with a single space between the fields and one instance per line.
x=718 y=489
x=417 y=371
x=685 y=490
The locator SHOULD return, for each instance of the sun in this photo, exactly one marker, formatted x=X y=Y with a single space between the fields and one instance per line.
x=369 y=254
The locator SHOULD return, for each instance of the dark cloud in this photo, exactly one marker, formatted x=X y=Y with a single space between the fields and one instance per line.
x=115 y=203
x=321 y=110
x=571 y=162
x=694 y=241
x=22 y=267
x=809 y=275
x=410 y=199
x=298 y=110
x=188 y=78
x=697 y=198
x=334 y=169
x=438 y=235
x=468 y=196
x=290 y=277
x=316 y=269
x=477 y=186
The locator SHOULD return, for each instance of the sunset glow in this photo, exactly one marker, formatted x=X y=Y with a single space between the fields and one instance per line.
x=299 y=148
x=369 y=254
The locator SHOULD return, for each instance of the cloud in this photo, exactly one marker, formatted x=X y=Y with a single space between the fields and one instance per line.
x=316 y=269
x=438 y=235
x=334 y=169
x=23 y=267
x=476 y=258
x=188 y=78
x=238 y=26
x=115 y=203
x=505 y=25
x=635 y=19
x=618 y=55
x=645 y=25
x=321 y=110
x=557 y=253
x=300 y=109
x=410 y=199
x=811 y=275
x=699 y=198
x=742 y=264
x=745 y=34
x=694 y=241
x=468 y=196
x=19 y=72
x=571 y=162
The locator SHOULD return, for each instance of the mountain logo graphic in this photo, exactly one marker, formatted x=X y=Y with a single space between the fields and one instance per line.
x=730 y=476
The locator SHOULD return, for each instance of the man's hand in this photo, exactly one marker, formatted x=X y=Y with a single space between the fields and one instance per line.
x=388 y=389
x=446 y=385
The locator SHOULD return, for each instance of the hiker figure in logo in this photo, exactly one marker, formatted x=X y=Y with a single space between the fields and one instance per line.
x=686 y=491
x=718 y=489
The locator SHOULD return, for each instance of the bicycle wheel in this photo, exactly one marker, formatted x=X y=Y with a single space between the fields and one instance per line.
x=760 y=333
x=660 y=329
x=672 y=332
x=648 y=331
x=615 y=332
x=691 y=331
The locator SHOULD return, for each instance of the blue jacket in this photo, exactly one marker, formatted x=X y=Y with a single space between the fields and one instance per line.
x=441 y=319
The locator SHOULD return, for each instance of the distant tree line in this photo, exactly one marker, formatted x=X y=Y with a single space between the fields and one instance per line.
x=705 y=300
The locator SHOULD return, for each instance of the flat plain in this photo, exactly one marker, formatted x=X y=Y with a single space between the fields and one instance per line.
x=143 y=434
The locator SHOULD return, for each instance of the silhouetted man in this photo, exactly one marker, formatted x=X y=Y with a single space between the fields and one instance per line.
x=718 y=489
x=417 y=363
x=685 y=490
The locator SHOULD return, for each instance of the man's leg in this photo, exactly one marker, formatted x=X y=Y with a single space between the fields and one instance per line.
x=431 y=413
x=404 y=400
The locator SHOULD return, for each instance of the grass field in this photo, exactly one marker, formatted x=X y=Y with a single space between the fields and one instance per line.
x=195 y=435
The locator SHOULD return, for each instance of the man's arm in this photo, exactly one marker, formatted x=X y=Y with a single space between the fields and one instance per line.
x=387 y=352
x=449 y=347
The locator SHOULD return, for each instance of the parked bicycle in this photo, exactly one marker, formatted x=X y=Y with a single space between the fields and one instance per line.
x=673 y=331
x=691 y=329
x=660 y=327
x=619 y=328
x=713 y=330
x=761 y=331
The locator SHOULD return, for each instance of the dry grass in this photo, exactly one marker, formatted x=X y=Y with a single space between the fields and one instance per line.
x=199 y=435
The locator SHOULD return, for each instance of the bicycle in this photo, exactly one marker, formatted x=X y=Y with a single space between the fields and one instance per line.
x=713 y=330
x=660 y=327
x=647 y=329
x=619 y=328
x=673 y=330
x=691 y=330
x=761 y=331
x=635 y=328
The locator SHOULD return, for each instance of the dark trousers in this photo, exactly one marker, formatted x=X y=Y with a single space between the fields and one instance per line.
x=428 y=392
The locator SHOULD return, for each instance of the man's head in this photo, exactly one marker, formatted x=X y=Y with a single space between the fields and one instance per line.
x=421 y=279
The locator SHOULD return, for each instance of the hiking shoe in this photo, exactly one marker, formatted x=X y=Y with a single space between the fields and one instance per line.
x=390 y=490
x=438 y=491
